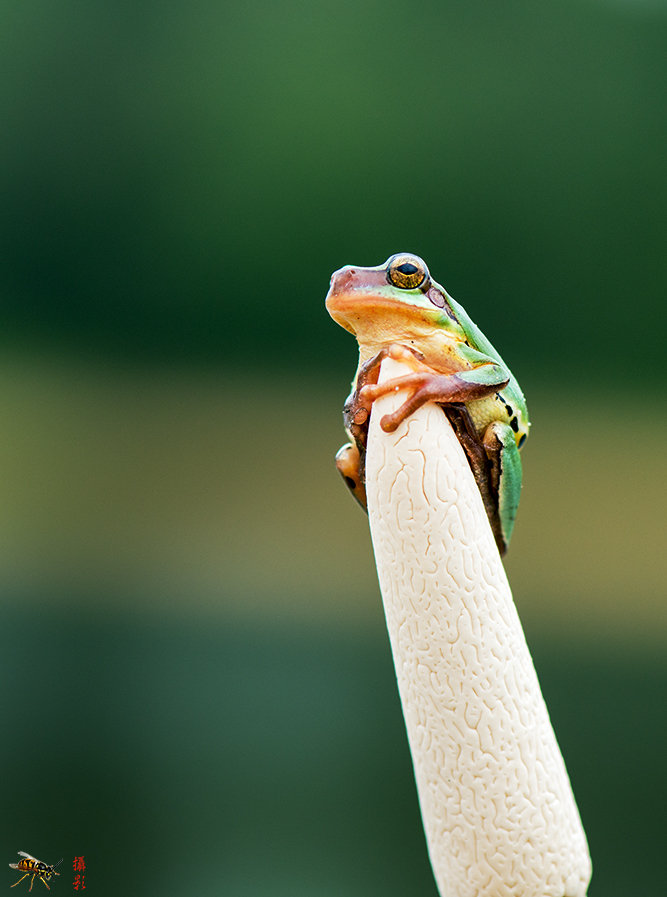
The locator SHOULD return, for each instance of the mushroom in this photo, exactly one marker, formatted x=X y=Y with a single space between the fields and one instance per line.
x=496 y=802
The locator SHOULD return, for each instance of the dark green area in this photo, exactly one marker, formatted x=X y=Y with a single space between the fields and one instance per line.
x=179 y=180
x=210 y=758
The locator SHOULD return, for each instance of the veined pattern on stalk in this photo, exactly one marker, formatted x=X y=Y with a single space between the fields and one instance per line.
x=498 y=809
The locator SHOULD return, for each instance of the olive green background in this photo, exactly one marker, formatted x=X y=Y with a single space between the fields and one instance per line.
x=196 y=685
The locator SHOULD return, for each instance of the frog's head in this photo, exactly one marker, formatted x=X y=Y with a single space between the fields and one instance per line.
x=389 y=302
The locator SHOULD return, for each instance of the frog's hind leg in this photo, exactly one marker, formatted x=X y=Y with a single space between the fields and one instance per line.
x=506 y=473
x=481 y=465
x=351 y=467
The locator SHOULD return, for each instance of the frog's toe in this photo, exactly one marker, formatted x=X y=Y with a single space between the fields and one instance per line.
x=406 y=354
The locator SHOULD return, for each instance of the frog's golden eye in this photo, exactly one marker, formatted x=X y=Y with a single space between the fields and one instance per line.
x=407 y=272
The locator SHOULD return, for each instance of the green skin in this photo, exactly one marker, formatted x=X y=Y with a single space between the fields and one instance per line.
x=397 y=310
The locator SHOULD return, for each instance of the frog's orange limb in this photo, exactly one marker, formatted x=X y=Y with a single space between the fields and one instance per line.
x=356 y=412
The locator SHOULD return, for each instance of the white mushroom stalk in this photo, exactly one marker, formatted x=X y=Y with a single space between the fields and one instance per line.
x=498 y=810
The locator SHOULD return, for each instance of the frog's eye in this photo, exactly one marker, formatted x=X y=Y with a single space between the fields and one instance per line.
x=407 y=272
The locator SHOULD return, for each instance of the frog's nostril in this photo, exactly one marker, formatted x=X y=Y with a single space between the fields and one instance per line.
x=341 y=279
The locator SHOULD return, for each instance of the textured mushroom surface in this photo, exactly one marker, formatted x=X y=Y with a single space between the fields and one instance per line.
x=498 y=810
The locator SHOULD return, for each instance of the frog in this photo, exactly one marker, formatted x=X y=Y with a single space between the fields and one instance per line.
x=397 y=310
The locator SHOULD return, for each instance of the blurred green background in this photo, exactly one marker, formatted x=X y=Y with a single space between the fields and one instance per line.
x=197 y=689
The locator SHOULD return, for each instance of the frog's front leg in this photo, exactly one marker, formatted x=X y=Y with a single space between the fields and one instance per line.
x=430 y=386
x=351 y=458
x=505 y=476
x=356 y=409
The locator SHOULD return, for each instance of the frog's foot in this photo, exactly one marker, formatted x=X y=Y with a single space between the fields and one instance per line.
x=356 y=410
x=426 y=386
x=350 y=466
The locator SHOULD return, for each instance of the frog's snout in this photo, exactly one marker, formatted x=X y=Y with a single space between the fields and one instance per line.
x=341 y=284
x=354 y=292
x=338 y=297
x=341 y=279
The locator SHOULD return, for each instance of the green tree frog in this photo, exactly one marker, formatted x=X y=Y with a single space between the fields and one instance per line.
x=398 y=310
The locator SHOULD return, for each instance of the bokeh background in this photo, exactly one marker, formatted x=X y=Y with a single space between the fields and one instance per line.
x=197 y=689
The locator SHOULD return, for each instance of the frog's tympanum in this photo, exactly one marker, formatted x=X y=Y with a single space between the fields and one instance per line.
x=397 y=310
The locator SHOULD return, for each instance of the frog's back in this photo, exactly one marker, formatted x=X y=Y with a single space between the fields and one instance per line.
x=512 y=392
